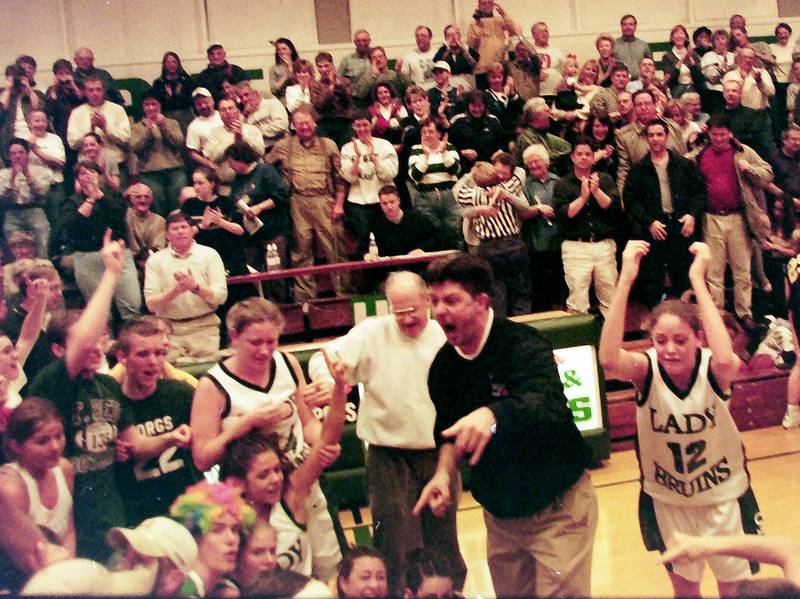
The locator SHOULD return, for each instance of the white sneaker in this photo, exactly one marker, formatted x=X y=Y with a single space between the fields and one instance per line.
x=792 y=417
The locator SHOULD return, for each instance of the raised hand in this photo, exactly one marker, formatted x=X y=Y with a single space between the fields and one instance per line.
x=632 y=258
x=702 y=258
x=112 y=253
x=328 y=454
x=337 y=367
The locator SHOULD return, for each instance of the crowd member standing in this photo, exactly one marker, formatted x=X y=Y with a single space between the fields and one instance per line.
x=694 y=472
x=664 y=197
x=368 y=163
x=733 y=173
x=402 y=455
x=587 y=207
x=506 y=411
x=312 y=166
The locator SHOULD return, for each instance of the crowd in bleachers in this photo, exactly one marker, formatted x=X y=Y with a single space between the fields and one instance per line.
x=542 y=162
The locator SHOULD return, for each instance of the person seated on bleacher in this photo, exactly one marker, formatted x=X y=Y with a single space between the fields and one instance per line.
x=23 y=190
x=536 y=115
x=268 y=114
x=84 y=69
x=304 y=89
x=17 y=101
x=185 y=284
x=102 y=117
x=145 y=228
x=391 y=355
x=22 y=247
x=401 y=232
x=91 y=148
x=157 y=142
x=47 y=150
x=89 y=215
x=218 y=68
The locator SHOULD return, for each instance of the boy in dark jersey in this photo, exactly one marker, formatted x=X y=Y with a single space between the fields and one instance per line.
x=160 y=465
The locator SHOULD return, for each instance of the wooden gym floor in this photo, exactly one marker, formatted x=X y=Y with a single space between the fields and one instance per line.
x=622 y=567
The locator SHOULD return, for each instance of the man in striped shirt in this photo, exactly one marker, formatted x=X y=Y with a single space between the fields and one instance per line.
x=495 y=204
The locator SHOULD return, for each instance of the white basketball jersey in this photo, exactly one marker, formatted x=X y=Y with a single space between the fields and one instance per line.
x=293 y=544
x=690 y=453
x=243 y=397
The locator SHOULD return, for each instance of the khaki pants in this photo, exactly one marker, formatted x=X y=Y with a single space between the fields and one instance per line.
x=585 y=261
x=548 y=554
x=312 y=216
x=195 y=340
x=729 y=243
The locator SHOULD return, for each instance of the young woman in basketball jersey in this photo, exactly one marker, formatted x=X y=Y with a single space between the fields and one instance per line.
x=258 y=387
x=693 y=473
x=281 y=493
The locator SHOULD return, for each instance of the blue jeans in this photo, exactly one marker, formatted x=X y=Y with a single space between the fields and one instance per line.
x=32 y=220
x=166 y=186
x=441 y=207
x=127 y=296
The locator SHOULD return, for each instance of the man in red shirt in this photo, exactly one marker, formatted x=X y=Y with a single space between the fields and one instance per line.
x=733 y=173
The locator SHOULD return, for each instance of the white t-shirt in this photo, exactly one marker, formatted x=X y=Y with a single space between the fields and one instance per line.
x=200 y=129
x=551 y=60
x=419 y=67
x=51 y=145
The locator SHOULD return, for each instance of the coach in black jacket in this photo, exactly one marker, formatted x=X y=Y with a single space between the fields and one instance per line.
x=665 y=199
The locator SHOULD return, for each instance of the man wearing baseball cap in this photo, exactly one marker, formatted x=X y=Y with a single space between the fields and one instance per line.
x=155 y=557
x=199 y=131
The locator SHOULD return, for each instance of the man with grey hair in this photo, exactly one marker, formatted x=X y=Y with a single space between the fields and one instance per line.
x=536 y=118
x=540 y=232
x=268 y=114
x=390 y=355
x=357 y=68
x=757 y=85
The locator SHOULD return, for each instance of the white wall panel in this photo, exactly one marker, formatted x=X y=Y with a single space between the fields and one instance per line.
x=33 y=27
x=390 y=22
x=247 y=26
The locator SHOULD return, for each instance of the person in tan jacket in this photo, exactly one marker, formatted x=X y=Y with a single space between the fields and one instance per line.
x=487 y=34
